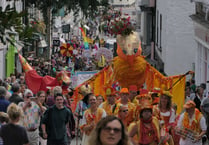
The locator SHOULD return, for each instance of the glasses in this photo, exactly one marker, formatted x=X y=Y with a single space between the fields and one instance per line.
x=29 y=96
x=109 y=129
x=124 y=110
x=41 y=96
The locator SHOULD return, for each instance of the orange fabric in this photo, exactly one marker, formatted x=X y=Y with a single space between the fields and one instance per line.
x=147 y=138
x=107 y=107
x=26 y=67
x=152 y=77
x=131 y=112
x=94 y=82
x=128 y=75
x=166 y=119
x=195 y=123
x=127 y=57
x=92 y=118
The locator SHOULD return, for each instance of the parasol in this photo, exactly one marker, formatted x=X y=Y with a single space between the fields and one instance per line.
x=108 y=55
x=66 y=49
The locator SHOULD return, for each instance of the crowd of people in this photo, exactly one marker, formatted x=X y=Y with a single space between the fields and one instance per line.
x=129 y=116
x=81 y=59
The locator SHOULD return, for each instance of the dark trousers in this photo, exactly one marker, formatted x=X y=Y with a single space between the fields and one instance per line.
x=55 y=143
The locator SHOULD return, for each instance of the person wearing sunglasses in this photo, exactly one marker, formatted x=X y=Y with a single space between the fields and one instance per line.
x=122 y=114
x=124 y=100
x=109 y=131
x=32 y=115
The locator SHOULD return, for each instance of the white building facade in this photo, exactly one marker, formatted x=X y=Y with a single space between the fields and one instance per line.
x=174 y=41
x=201 y=35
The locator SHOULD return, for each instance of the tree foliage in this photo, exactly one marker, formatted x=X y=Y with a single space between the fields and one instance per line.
x=11 y=25
x=88 y=7
x=11 y=21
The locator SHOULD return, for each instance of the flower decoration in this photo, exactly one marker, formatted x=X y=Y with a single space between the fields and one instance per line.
x=121 y=26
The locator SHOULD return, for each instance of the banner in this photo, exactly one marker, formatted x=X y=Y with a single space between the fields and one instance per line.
x=81 y=76
x=174 y=84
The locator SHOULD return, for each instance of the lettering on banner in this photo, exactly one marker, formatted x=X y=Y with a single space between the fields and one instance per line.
x=83 y=77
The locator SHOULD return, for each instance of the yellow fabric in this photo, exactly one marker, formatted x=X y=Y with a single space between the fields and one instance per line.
x=135 y=101
x=153 y=78
x=177 y=84
x=89 y=40
x=92 y=118
x=127 y=74
x=107 y=107
x=130 y=127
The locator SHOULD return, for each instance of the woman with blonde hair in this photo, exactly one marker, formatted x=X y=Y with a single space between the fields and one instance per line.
x=12 y=133
x=109 y=131
x=167 y=115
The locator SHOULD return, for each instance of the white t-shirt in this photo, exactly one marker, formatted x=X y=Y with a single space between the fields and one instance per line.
x=171 y=114
x=188 y=141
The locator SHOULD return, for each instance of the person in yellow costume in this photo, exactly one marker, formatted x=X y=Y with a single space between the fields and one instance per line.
x=133 y=93
x=147 y=128
x=109 y=105
x=124 y=100
x=91 y=117
x=194 y=123
x=144 y=96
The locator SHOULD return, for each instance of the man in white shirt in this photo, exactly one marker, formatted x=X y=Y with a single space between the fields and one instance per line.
x=192 y=120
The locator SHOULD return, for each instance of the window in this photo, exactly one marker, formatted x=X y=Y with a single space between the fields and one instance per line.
x=160 y=31
x=157 y=28
x=199 y=9
x=134 y=13
x=203 y=63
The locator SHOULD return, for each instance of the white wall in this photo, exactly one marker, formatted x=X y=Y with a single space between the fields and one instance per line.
x=202 y=53
x=122 y=2
x=178 y=44
x=2 y=61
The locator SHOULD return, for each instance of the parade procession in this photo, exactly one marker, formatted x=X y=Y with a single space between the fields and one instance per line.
x=96 y=84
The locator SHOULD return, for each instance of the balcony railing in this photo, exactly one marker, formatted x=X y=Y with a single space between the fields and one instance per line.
x=146 y=3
